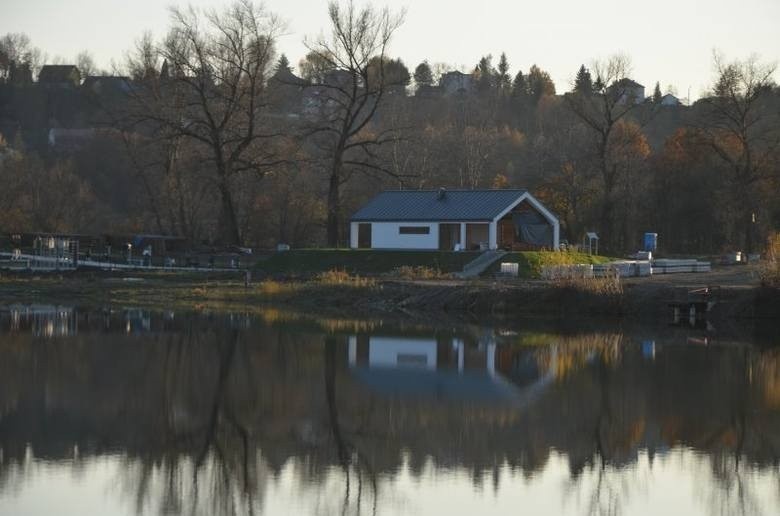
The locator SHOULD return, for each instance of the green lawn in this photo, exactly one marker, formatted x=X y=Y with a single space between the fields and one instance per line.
x=361 y=261
x=531 y=262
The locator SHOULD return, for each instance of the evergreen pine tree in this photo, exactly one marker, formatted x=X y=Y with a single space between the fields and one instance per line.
x=423 y=76
x=583 y=83
x=503 y=79
x=657 y=96
x=598 y=85
x=486 y=74
x=519 y=85
x=283 y=65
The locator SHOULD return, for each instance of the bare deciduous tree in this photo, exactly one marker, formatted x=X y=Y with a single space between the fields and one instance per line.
x=16 y=49
x=744 y=132
x=349 y=97
x=86 y=64
x=212 y=93
x=612 y=100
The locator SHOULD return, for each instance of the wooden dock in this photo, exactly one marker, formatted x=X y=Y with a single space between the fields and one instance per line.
x=697 y=304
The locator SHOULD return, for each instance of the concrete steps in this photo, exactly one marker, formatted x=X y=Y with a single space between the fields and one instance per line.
x=481 y=263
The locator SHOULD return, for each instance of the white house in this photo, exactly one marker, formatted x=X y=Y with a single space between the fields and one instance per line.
x=453 y=220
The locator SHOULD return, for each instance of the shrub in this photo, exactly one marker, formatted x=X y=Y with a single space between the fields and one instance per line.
x=419 y=272
x=336 y=277
x=272 y=288
x=607 y=285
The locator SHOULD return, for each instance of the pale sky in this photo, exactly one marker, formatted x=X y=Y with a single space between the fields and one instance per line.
x=670 y=41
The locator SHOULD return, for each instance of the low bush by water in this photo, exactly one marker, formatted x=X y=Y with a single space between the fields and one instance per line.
x=336 y=277
x=419 y=272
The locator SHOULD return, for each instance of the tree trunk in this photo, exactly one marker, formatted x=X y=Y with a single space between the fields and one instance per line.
x=607 y=235
x=229 y=233
x=334 y=206
x=342 y=448
x=749 y=230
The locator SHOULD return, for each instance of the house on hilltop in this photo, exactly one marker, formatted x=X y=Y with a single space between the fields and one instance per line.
x=60 y=76
x=454 y=220
x=287 y=91
x=456 y=83
x=670 y=100
x=627 y=91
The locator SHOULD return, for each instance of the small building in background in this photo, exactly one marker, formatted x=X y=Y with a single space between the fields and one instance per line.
x=670 y=100
x=456 y=83
x=627 y=91
x=60 y=76
x=451 y=220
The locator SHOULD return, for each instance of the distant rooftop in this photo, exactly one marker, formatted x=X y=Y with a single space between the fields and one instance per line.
x=287 y=77
x=59 y=74
x=101 y=83
x=628 y=83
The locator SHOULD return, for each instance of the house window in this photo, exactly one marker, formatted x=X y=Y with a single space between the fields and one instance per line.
x=414 y=230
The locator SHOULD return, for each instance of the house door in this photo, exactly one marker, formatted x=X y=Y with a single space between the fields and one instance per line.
x=506 y=233
x=364 y=236
x=449 y=235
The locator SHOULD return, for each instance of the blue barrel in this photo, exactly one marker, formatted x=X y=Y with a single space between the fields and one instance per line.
x=651 y=241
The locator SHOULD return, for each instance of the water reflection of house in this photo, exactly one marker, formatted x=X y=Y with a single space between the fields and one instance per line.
x=445 y=368
x=138 y=321
x=47 y=321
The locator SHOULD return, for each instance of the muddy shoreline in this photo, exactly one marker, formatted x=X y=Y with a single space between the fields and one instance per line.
x=643 y=301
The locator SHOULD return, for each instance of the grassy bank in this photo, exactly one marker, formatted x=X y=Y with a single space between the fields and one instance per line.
x=365 y=261
x=531 y=262
x=361 y=261
x=166 y=291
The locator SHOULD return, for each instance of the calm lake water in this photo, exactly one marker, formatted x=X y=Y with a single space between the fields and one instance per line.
x=129 y=412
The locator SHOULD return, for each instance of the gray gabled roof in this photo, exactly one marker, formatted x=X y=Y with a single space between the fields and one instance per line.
x=437 y=205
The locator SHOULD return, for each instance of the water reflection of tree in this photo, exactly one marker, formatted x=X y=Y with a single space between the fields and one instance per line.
x=350 y=457
x=753 y=380
x=606 y=486
x=210 y=459
x=207 y=449
x=720 y=406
